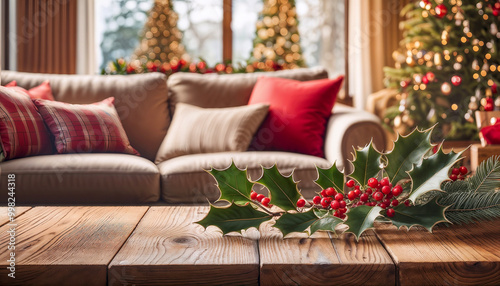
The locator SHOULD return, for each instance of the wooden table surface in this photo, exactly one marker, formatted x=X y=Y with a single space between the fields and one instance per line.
x=162 y=246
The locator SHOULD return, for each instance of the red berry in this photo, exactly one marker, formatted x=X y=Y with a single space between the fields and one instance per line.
x=372 y=182
x=323 y=193
x=378 y=196
x=386 y=201
x=339 y=197
x=373 y=204
x=317 y=200
x=363 y=197
x=389 y=195
x=390 y=212
x=301 y=203
x=342 y=216
x=342 y=210
x=265 y=202
x=407 y=203
x=357 y=187
x=325 y=202
x=379 y=186
x=386 y=190
x=351 y=195
x=336 y=213
x=395 y=203
x=385 y=181
x=260 y=197
x=397 y=190
x=253 y=195
x=453 y=177
x=463 y=170
x=368 y=191
x=455 y=171
x=330 y=191
x=357 y=192
x=382 y=205
x=350 y=183
x=342 y=204
x=335 y=205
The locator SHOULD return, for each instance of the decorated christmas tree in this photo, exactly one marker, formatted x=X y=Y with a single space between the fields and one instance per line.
x=447 y=67
x=161 y=40
x=277 y=37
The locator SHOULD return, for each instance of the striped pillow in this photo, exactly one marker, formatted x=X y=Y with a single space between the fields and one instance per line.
x=22 y=131
x=85 y=128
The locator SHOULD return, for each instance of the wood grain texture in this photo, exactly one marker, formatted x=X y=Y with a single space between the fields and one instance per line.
x=457 y=255
x=67 y=245
x=4 y=217
x=167 y=248
x=319 y=260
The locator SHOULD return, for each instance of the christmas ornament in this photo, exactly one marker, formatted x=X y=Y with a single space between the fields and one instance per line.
x=405 y=197
x=404 y=83
x=425 y=4
x=430 y=76
x=489 y=106
x=446 y=88
x=425 y=80
x=441 y=10
x=456 y=80
x=494 y=88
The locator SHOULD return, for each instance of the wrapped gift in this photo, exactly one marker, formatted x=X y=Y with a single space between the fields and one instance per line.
x=488 y=123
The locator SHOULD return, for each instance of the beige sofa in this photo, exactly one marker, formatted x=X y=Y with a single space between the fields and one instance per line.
x=145 y=104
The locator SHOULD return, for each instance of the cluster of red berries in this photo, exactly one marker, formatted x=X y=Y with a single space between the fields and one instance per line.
x=260 y=198
x=458 y=173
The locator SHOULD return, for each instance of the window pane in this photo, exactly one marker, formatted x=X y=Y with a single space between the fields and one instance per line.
x=244 y=19
x=117 y=27
x=201 y=22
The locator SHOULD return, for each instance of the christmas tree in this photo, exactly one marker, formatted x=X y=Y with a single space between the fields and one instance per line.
x=448 y=66
x=277 y=36
x=161 y=40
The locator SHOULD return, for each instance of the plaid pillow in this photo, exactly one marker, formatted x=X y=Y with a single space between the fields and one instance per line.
x=22 y=131
x=85 y=128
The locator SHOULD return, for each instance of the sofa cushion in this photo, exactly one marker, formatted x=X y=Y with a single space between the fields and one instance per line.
x=216 y=91
x=43 y=91
x=185 y=181
x=196 y=130
x=83 y=179
x=140 y=100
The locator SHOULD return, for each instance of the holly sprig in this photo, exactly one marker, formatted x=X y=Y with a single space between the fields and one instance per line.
x=403 y=187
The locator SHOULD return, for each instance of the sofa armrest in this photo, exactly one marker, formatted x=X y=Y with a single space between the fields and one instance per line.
x=347 y=128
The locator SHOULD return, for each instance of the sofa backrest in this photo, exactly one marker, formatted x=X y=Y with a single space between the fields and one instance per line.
x=140 y=100
x=229 y=90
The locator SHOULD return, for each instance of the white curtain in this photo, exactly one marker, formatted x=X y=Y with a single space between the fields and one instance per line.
x=85 y=50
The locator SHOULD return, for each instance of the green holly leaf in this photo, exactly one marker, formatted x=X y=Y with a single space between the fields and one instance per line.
x=427 y=215
x=295 y=222
x=234 y=218
x=233 y=184
x=408 y=151
x=431 y=172
x=283 y=190
x=331 y=177
x=327 y=222
x=361 y=218
x=366 y=164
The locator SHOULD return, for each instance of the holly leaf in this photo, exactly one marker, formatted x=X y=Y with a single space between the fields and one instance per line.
x=283 y=189
x=234 y=218
x=327 y=222
x=408 y=151
x=361 y=218
x=427 y=215
x=431 y=172
x=295 y=222
x=331 y=177
x=233 y=184
x=366 y=164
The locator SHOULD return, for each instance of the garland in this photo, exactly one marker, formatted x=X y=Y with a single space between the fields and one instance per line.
x=407 y=186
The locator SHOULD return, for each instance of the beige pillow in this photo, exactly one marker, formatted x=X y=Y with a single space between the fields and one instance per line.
x=196 y=130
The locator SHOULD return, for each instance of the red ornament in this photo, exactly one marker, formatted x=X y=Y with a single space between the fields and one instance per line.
x=456 y=80
x=425 y=80
x=441 y=10
x=430 y=76
x=489 y=106
x=494 y=88
x=404 y=83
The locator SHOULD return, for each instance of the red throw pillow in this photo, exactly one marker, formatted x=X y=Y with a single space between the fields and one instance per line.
x=43 y=91
x=85 y=128
x=298 y=114
x=22 y=131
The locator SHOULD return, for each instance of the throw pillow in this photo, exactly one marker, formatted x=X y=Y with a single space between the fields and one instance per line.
x=43 y=91
x=22 y=131
x=298 y=114
x=85 y=128
x=197 y=130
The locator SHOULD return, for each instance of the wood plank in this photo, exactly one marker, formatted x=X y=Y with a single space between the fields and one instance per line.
x=4 y=217
x=456 y=255
x=320 y=260
x=167 y=248
x=66 y=245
